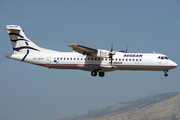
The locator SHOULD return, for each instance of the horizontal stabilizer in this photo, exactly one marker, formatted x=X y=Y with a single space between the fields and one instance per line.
x=13 y=27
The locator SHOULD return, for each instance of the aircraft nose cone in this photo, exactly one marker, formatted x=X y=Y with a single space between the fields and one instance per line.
x=174 y=64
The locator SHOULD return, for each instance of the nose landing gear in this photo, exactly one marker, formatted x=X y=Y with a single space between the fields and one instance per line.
x=165 y=73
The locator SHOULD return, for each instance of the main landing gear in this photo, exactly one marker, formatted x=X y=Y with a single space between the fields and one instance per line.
x=165 y=73
x=94 y=73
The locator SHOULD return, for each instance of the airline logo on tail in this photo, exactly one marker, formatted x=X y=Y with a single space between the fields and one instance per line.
x=20 y=42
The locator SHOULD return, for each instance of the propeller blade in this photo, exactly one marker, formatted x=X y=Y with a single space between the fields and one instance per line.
x=111 y=59
x=126 y=48
x=111 y=54
x=112 y=47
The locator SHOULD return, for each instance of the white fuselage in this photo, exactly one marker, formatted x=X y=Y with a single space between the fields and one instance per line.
x=85 y=58
x=121 y=61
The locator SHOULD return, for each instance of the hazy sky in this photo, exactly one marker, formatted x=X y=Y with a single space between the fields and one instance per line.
x=29 y=92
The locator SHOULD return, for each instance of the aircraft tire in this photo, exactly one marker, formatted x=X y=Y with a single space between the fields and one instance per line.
x=101 y=74
x=93 y=73
x=166 y=75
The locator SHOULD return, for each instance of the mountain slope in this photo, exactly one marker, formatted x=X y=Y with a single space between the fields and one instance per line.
x=155 y=107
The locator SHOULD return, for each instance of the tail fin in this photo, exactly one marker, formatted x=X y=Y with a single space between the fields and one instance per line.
x=20 y=43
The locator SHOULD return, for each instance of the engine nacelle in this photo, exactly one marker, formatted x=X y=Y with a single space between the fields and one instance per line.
x=103 y=53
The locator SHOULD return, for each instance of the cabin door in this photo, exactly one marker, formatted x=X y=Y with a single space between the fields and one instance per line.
x=48 y=60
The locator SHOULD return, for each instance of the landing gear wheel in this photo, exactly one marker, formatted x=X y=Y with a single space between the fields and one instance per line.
x=93 y=73
x=166 y=75
x=101 y=74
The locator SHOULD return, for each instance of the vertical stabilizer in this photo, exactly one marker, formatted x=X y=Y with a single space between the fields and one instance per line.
x=20 y=43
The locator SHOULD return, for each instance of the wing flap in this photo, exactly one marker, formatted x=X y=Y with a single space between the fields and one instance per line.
x=82 y=49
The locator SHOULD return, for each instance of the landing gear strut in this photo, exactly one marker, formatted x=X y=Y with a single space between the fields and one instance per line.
x=165 y=73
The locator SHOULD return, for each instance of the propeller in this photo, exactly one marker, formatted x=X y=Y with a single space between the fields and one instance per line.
x=111 y=53
x=124 y=51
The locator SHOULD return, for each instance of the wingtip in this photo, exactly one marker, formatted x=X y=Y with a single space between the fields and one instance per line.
x=71 y=45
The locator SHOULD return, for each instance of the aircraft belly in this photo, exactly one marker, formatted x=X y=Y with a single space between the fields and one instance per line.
x=85 y=67
x=62 y=66
x=144 y=67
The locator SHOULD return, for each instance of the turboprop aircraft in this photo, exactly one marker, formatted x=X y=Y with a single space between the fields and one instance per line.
x=97 y=61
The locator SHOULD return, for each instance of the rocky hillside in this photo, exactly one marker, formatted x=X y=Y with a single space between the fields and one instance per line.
x=156 y=107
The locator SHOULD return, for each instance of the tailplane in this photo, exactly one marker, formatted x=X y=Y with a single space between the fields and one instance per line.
x=20 y=43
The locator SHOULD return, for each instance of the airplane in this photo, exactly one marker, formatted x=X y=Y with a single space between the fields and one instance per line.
x=97 y=61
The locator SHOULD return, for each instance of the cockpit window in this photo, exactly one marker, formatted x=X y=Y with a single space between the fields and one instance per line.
x=166 y=57
x=163 y=57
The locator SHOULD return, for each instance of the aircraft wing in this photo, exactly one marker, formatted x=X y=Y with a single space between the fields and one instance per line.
x=82 y=49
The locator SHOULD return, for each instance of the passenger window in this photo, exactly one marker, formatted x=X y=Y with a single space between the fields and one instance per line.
x=139 y=59
x=57 y=58
x=88 y=58
x=91 y=58
x=81 y=58
x=61 y=58
x=122 y=59
x=77 y=58
x=129 y=59
x=67 y=58
x=74 y=58
x=116 y=59
x=126 y=59
x=133 y=60
x=84 y=58
x=95 y=59
x=162 y=58
x=119 y=59
x=71 y=59
x=64 y=58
